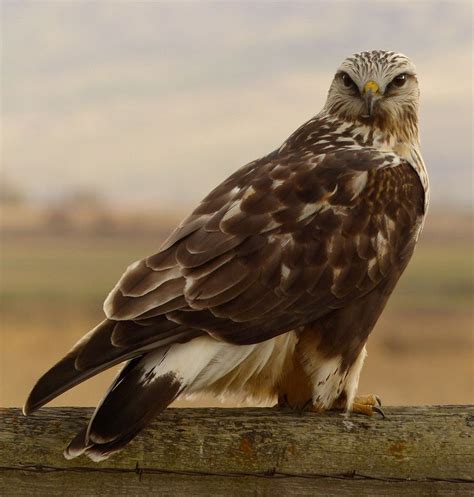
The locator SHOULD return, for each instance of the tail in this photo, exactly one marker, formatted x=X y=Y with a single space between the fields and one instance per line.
x=107 y=345
x=163 y=361
x=140 y=392
x=144 y=387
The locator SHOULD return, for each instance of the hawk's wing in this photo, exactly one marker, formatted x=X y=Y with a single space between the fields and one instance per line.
x=281 y=243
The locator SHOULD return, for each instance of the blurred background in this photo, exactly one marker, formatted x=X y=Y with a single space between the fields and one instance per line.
x=118 y=117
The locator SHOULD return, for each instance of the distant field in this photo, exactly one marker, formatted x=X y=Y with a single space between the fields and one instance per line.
x=84 y=269
x=62 y=269
x=52 y=289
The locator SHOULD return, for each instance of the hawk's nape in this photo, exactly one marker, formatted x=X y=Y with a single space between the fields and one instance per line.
x=271 y=287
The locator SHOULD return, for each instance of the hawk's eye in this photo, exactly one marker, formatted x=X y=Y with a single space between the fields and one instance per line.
x=400 y=80
x=347 y=81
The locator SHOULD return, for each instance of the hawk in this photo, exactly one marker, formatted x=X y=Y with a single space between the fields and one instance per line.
x=271 y=287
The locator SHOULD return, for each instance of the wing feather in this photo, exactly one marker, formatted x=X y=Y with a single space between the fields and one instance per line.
x=283 y=242
x=276 y=239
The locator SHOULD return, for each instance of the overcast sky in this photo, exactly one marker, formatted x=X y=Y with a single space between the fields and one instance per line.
x=155 y=103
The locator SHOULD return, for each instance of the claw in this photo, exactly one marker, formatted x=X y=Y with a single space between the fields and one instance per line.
x=368 y=404
x=307 y=406
x=379 y=411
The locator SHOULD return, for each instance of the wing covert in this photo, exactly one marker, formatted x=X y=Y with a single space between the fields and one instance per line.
x=283 y=241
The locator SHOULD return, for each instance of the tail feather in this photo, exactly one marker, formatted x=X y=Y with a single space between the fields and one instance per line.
x=64 y=375
x=95 y=353
x=144 y=387
x=140 y=391
x=153 y=377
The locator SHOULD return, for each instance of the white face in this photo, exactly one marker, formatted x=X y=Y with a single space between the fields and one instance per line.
x=376 y=87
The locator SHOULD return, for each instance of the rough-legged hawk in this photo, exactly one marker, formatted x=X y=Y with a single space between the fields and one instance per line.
x=271 y=287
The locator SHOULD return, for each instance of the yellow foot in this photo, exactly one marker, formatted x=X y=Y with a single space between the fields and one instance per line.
x=367 y=404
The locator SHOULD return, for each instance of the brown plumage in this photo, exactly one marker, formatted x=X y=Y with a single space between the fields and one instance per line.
x=271 y=287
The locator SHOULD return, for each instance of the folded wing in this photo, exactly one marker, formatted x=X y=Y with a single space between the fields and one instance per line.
x=281 y=243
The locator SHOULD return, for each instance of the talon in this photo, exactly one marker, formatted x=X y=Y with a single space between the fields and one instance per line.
x=307 y=406
x=367 y=405
x=379 y=411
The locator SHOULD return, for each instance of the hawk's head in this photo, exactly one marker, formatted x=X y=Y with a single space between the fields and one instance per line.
x=376 y=88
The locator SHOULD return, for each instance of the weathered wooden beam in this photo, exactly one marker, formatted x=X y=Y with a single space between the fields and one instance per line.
x=415 y=451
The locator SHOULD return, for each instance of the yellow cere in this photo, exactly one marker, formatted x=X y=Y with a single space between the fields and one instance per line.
x=372 y=86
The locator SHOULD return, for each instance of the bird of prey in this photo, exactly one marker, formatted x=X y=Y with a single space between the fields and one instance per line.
x=271 y=287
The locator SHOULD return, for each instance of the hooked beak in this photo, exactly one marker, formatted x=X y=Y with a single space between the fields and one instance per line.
x=370 y=93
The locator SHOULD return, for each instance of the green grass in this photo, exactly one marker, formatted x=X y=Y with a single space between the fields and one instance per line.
x=82 y=271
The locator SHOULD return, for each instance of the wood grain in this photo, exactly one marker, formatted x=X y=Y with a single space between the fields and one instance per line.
x=422 y=451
